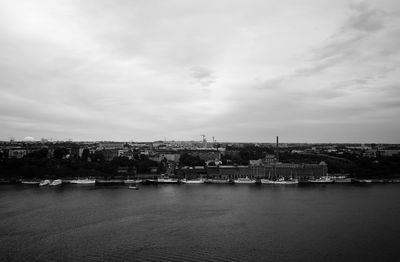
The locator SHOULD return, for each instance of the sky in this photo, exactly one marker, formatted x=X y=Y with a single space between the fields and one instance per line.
x=238 y=70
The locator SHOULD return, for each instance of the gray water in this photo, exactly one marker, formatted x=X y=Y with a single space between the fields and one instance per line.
x=200 y=223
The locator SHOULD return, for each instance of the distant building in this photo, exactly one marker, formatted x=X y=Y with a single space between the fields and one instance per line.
x=389 y=152
x=268 y=159
x=17 y=153
x=205 y=154
x=111 y=145
x=125 y=153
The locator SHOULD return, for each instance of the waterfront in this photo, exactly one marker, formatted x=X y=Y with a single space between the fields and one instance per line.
x=349 y=222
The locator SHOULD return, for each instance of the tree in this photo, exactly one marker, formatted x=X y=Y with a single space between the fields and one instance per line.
x=41 y=153
x=97 y=157
x=60 y=152
x=85 y=154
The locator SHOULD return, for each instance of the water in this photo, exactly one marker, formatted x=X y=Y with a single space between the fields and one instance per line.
x=200 y=223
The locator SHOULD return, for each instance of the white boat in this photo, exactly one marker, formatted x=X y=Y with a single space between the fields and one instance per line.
x=85 y=181
x=167 y=180
x=363 y=180
x=267 y=181
x=133 y=181
x=133 y=187
x=30 y=182
x=164 y=180
x=280 y=181
x=44 y=182
x=218 y=181
x=245 y=180
x=342 y=180
x=193 y=181
x=322 y=180
x=56 y=182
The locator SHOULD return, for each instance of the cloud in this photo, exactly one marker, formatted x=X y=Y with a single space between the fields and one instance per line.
x=365 y=19
x=203 y=76
x=240 y=71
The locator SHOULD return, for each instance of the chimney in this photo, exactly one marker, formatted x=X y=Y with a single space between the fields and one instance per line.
x=277 y=148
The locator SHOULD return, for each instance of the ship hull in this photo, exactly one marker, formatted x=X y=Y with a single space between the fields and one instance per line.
x=218 y=181
x=108 y=182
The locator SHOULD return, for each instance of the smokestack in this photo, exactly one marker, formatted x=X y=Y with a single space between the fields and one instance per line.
x=277 y=148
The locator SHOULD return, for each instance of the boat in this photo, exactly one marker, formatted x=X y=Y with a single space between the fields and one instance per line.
x=133 y=187
x=164 y=180
x=322 y=180
x=56 y=182
x=218 y=181
x=267 y=181
x=342 y=180
x=30 y=182
x=44 y=183
x=245 y=180
x=280 y=181
x=86 y=181
x=106 y=182
x=362 y=180
x=193 y=181
x=133 y=181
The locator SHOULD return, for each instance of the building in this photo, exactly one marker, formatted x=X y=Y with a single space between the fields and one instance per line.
x=16 y=153
x=272 y=171
x=205 y=154
x=389 y=152
x=111 y=145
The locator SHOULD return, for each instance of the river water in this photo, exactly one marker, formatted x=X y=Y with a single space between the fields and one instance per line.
x=200 y=223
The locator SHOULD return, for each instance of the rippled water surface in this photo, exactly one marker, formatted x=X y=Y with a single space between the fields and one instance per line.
x=200 y=223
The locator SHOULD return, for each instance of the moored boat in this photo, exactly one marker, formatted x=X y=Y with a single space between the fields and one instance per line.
x=362 y=180
x=30 y=182
x=341 y=179
x=245 y=180
x=218 y=181
x=133 y=187
x=85 y=181
x=193 y=181
x=56 y=182
x=133 y=181
x=322 y=180
x=166 y=180
x=280 y=181
x=45 y=182
x=105 y=182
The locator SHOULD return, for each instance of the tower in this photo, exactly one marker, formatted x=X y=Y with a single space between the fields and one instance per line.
x=277 y=149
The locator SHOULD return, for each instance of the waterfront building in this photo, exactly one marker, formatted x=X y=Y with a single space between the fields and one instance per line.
x=271 y=171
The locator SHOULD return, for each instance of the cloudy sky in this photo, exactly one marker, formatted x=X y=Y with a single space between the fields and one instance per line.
x=308 y=71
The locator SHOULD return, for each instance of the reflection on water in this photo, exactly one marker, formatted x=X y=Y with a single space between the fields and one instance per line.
x=200 y=223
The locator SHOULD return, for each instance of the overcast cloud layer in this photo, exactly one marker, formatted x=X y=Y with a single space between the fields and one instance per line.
x=312 y=70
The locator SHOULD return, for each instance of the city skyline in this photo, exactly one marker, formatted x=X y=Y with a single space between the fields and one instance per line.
x=242 y=71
